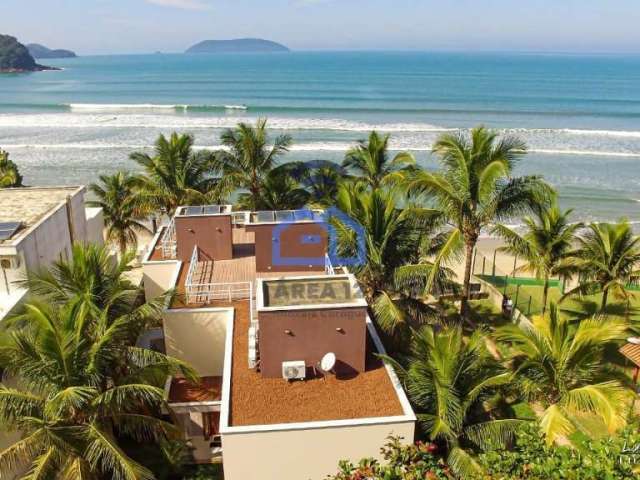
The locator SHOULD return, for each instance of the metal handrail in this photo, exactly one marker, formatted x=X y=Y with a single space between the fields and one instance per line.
x=169 y=243
x=328 y=267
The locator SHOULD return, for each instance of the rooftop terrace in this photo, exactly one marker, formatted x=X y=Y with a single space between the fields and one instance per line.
x=266 y=401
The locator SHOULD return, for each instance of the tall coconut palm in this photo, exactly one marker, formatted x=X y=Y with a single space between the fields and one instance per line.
x=81 y=388
x=9 y=173
x=122 y=206
x=392 y=265
x=561 y=367
x=476 y=188
x=249 y=159
x=545 y=244
x=371 y=162
x=448 y=378
x=607 y=259
x=176 y=174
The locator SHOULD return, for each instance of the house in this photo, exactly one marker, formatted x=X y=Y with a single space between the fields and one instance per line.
x=290 y=383
x=38 y=226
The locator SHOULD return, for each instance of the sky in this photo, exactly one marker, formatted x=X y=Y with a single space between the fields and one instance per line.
x=141 y=26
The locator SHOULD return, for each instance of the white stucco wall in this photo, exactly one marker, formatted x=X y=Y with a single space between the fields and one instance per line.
x=95 y=225
x=197 y=336
x=158 y=277
x=309 y=454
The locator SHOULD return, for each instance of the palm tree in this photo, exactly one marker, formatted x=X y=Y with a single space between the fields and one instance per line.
x=122 y=206
x=544 y=245
x=176 y=175
x=448 y=378
x=561 y=367
x=249 y=159
x=9 y=174
x=394 y=266
x=476 y=189
x=81 y=383
x=279 y=191
x=607 y=259
x=371 y=163
x=90 y=281
x=81 y=388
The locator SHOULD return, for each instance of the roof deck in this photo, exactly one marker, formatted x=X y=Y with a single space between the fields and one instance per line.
x=255 y=400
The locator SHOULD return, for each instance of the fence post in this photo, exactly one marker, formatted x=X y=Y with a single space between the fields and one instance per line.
x=484 y=260
x=515 y=302
x=529 y=307
x=493 y=271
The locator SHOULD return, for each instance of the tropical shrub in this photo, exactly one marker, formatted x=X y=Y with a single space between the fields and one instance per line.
x=402 y=462
x=9 y=174
x=610 y=458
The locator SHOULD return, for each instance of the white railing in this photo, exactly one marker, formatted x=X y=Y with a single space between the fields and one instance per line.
x=168 y=243
x=241 y=218
x=328 y=267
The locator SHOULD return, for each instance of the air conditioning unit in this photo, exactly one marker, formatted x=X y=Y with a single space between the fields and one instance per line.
x=294 y=370
x=10 y=263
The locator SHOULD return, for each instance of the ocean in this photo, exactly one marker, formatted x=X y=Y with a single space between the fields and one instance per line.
x=580 y=115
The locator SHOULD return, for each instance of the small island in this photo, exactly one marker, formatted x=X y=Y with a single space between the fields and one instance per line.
x=15 y=57
x=40 y=51
x=240 y=45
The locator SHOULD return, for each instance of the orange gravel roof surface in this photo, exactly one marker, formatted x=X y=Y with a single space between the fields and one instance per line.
x=264 y=401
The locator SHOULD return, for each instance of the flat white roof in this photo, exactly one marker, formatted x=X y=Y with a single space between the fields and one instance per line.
x=30 y=205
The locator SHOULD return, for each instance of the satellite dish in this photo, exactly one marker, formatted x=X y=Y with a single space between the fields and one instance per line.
x=328 y=362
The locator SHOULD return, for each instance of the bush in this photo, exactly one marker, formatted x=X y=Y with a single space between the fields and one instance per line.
x=403 y=462
x=610 y=458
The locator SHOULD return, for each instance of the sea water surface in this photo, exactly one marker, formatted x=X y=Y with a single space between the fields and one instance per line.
x=580 y=115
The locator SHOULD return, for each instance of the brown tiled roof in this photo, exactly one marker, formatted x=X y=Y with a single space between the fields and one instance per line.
x=632 y=352
x=262 y=401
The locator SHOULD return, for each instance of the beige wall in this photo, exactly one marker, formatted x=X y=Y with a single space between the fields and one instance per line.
x=158 y=277
x=95 y=225
x=197 y=336
x=304 y=454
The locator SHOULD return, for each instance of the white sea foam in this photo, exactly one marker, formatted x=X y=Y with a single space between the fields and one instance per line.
x=117 y=107
x=302 y=147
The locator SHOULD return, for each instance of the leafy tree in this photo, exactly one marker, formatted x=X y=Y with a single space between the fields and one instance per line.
x=9 y=174
x=371 y=163
x=394 y=264
x=607 y=259
x=545 y=244
x=476 y=189
x=448 y=377
x=402 y=462
x=176 y=175
x=562 y=368
x=123 y=208
x=249 y=160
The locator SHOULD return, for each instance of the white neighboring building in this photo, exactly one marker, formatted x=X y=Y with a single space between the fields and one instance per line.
x=38 y=226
